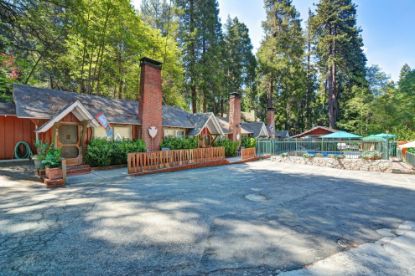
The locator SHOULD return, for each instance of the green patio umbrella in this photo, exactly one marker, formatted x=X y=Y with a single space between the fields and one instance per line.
x=341 y=135
x=373 y=138
x=386 y=135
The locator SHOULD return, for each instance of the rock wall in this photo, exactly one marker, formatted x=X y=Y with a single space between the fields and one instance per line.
x=344 y=164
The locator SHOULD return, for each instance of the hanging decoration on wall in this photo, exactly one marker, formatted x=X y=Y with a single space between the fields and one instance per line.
x=152 y=131
x=103 y=121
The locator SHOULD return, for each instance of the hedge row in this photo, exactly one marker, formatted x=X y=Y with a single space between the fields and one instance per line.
x=102 y=152
x=175 y=143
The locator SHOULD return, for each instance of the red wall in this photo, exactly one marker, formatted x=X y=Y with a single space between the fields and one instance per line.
x=13 y=130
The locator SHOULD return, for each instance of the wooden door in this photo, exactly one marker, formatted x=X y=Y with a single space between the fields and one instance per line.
x=70 y=143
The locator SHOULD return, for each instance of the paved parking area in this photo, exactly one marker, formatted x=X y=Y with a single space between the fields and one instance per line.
x=258 y=218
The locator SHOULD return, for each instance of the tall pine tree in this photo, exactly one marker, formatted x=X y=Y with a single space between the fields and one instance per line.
x=200 y=36
x=339 y=52
x=280 y=58
x=240 y=62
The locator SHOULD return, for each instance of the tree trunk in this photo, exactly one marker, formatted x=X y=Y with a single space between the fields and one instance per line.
x=332 y=101
x=270 y=92
x=332 y=98
x=194 y=95
x=192 y=59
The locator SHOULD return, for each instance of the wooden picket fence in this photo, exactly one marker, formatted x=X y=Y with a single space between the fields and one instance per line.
x=248 y=153
x=140 y=162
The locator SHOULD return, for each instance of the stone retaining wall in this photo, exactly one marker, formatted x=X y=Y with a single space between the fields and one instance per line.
x=344 y=164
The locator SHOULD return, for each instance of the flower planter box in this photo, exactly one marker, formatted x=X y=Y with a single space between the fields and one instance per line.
x=54 y=173
x=41 y=173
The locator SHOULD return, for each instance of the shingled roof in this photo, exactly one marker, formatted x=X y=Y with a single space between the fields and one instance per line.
x=7 y=109
x=224 y=123
x=257 y=128
x=202 y=120
x=44 y=103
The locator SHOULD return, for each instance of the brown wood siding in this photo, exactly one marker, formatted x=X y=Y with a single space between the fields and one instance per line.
x=136 y=133
x=13 y=130
x=46 y=137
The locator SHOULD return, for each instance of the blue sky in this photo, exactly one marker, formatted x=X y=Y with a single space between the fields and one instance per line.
x=388 y=27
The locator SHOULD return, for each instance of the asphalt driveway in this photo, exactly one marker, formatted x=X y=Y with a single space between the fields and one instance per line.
x=256 y=218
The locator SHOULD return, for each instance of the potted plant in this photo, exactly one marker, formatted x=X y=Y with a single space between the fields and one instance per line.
x=41 y=149
x=53 y=164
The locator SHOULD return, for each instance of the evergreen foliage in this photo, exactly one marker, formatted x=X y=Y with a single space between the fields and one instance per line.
x=103 y=152
x=282 y=76
x=316 y=76
x=231 y=147
x=176 y=143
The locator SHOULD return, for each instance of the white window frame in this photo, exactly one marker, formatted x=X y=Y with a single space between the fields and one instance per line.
x=180 y=133
x=114 y=132
x=130 y=132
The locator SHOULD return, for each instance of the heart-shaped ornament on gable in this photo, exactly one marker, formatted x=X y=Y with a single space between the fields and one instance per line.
x=152 y=131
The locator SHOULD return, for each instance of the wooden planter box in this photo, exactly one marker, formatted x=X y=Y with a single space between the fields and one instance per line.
x=54 y=173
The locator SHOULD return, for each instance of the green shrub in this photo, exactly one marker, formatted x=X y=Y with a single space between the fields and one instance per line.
x=231 y=147
x=101 y=152
x=411 y=150
x=52 y=158
x=248 y=142
x=307 y=155
x=175 y=143
x=120 y=150
x=372 y=155
x=41 y=150
x=285 y=154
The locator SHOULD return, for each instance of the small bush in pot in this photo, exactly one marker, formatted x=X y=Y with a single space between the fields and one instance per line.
x=41 y=150
x=53 y=164
x=248 y=142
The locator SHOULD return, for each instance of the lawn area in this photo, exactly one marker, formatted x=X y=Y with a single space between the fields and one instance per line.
x=259 y=217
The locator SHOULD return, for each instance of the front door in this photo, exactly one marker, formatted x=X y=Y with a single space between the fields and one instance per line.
x=69 y=143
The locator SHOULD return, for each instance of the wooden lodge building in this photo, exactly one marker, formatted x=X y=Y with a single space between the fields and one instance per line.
x=69 y=120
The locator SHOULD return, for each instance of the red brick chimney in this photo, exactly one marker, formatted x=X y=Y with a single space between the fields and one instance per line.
x=235 y=116
x=271 y=121
x=150 y=111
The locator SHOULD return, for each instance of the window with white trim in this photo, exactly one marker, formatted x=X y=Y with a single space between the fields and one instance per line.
x=180 y=133
x=99 y=132
x=122 y=133
x=169 y=132
x=119 y=133
x=174 y=132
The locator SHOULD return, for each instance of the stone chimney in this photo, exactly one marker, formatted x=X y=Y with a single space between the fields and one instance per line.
x=271 y=121
x=150 y=111
x=235 y=116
